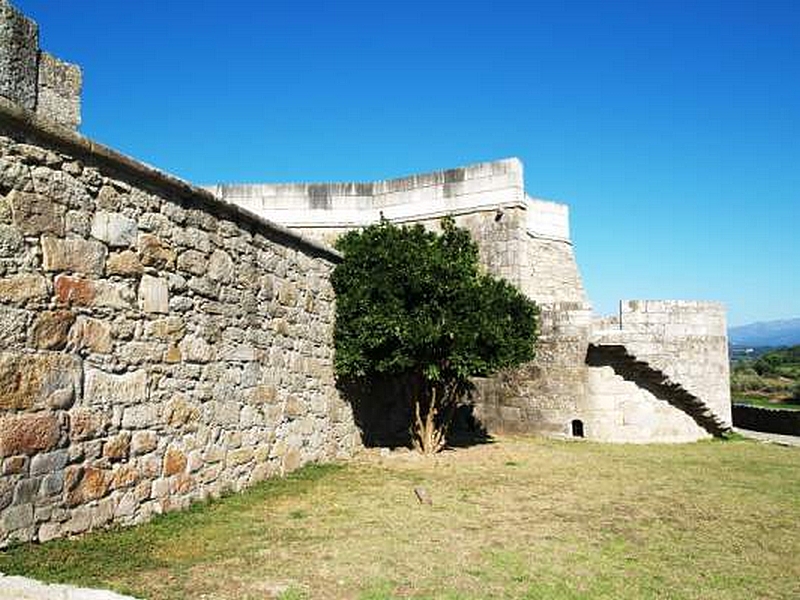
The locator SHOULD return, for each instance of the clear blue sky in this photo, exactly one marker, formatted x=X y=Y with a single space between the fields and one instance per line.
x=671 y=128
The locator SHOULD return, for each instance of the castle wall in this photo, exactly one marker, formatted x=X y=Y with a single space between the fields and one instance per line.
x=617 y=410
x=32 y=79
x=545 y=395
x=158 y=345
x=686 y=340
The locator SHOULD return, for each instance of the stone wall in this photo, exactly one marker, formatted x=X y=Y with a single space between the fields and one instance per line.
x=771 y=420
x=543 y=396
x=523 y=240
x=158 y=345
x=32 y=79
x=687 y=340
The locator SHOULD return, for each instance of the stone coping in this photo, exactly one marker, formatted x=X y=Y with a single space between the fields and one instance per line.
x=15 y=120
x=24 y=588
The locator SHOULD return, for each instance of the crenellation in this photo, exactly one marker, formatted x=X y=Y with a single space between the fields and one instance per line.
x=33 y=79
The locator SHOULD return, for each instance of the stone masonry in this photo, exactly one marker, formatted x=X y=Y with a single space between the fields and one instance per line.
x=674 y=368
x=158 y=346
x=33 y=79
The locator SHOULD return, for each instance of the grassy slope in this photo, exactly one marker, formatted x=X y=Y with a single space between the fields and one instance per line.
x=522 y=518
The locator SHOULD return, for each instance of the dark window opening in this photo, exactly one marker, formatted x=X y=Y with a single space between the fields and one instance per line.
x=577 y=428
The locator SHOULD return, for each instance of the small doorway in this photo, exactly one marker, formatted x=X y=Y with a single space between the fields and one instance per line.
x=577 y=428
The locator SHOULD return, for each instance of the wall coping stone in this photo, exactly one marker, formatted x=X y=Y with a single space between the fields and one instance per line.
x=17 y=122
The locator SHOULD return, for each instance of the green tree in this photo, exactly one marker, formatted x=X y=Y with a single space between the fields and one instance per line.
x=415 y=304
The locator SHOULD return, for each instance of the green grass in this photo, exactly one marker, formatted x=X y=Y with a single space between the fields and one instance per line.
x=766 y=402
x=520 y=518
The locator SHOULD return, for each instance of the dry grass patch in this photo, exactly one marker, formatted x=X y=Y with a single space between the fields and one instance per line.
x=520 y=518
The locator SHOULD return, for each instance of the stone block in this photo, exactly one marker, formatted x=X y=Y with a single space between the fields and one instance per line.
x=141 y=416
x=77 y=291
x=220 y=266
x=22 y=288
x=14 y=465
x=36 y=381
x=143 y=442
x=203 y=286
x=126 y=264
x=117 y=447
x=196 y=349
x=16 y=517
x=92 y=335
x=49 y=462
x=10 y=241
x=80 y=520
x=14 y=325
x=52 y=485
x=26 y=489
x=86 y=424
x=114 y=229
x=168 y=328
x=51 y=329
x=193 y=262
x=155 y=252
x=29 y=433
x=6 y=493
x=59 y=97
x=125 y=476
x=34 y=214
x=180 y=412
x=175 y=462
x=288 y=294
x=78 y=256
x=238 y=353
x=86 y=484
x=106 y=389
x=19 y=45
x=153 y=295
x=49 y=531
x=239 y=456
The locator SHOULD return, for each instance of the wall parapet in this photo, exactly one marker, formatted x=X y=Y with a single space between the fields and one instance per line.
x=15 y=121
x=33 y=79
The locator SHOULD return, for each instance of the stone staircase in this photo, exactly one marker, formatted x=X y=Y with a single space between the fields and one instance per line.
x=657 y=383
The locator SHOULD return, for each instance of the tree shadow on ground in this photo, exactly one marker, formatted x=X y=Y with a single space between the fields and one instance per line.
x=384 y=414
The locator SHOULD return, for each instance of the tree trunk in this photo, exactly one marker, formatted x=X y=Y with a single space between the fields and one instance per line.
x=427 y=431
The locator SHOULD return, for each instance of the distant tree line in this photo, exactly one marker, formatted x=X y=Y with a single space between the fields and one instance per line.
x=775 y=374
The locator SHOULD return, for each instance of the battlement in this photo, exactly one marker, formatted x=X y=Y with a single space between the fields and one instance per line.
x=33 y=79
x=484 y=186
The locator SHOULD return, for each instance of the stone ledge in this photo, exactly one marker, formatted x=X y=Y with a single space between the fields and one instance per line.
x=23 y=588
x=19 y=123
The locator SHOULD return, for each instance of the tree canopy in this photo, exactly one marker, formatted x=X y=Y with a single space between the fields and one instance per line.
x=416 y=303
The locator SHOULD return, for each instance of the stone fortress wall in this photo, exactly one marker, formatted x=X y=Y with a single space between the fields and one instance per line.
x=158 y=345
x=681 y=346
x=162 y=342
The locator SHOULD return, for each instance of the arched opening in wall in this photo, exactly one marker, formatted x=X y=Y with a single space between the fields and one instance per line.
x=577 y=428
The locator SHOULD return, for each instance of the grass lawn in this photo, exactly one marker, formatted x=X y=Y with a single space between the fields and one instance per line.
x=519 y=518
x=766 y=402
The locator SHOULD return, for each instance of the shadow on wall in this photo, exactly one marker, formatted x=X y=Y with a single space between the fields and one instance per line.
x=384 y=415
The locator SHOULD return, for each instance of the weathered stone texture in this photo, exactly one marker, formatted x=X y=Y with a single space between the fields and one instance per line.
x=29 y=433
x=51 y=329
x=36 y=381
x=151 y=356
x=35 y=214
x=77 y=256
x=59 y=91
x=19 y=49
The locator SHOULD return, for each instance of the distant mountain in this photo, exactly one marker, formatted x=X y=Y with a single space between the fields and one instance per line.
x=769 y=333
